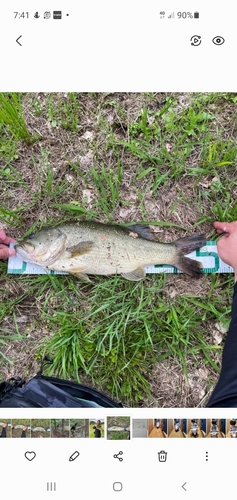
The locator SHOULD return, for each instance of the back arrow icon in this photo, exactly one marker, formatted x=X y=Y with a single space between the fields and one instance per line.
x=17 y=40
x=183 y=486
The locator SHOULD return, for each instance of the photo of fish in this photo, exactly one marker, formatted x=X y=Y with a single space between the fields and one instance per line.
x=115 y=282
x=90 y=247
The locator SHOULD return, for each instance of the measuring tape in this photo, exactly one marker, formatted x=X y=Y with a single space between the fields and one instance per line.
x=207 y=255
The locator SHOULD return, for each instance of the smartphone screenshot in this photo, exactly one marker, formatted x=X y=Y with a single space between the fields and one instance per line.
x=118 y=235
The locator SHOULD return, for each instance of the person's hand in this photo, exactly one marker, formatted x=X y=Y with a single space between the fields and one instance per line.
x=5 y=251
x=227 y=245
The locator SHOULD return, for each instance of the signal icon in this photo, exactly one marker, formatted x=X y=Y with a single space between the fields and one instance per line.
x=171 y=16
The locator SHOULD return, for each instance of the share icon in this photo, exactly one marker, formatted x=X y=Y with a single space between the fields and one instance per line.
x=118 y=457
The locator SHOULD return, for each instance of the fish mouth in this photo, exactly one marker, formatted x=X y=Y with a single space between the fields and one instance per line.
x=24 y=247
x=24 y=244
x=26 y=251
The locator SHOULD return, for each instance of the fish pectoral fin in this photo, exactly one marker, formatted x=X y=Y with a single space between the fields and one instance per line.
x=80 y=248
x=136 y=275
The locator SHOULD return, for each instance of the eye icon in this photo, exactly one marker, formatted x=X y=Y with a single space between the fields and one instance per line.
x=218 y=40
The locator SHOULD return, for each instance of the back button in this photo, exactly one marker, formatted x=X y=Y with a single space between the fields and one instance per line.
x=17 y=40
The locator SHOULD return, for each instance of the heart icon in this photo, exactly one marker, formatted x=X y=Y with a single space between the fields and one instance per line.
x=30 y=455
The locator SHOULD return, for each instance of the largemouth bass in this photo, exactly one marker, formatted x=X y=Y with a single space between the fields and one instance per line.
x=89 y=247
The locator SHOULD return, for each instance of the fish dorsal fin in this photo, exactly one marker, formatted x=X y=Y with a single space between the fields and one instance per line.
x=80 y=248
x=136 y=275
x=142 y=231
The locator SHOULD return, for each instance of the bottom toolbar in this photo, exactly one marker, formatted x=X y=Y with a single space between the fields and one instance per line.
x=135 y=469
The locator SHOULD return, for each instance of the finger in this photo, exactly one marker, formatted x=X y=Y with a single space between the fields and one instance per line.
x=2 y=234
x=6 y=247
x=11 y=252
x=9 y=240
x=6 y=239
x=226 y=227
x=6 y=252
x=220 y=226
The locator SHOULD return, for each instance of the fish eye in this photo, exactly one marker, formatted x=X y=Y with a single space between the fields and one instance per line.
x=31 y=236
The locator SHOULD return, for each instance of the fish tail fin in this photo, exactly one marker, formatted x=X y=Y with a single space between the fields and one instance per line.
x=185 y=246
x=189 y=266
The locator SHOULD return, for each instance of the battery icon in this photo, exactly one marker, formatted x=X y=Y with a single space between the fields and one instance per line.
x=196 y=15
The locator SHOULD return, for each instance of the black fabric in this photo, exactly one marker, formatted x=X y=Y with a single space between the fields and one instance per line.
x=45 y=392
x=3 y=433
x=225 y=392
x=97 y=432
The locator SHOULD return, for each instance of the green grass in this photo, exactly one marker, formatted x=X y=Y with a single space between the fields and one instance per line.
x=12 y=118
x=170 y=164
x=65 y=113
x=5 y=338
x=115 y=341
x=117 y=435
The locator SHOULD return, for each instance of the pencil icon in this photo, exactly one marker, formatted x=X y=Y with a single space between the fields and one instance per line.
x=74 y=456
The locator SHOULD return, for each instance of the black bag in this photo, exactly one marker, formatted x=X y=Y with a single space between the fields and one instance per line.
x=49 y=392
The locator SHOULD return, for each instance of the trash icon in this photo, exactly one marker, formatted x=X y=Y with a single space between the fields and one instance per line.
x=162 y=456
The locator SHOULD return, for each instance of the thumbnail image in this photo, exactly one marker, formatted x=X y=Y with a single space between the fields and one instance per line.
x=5 y=428
x=196 y=428
x=21 y=428
x=177 y=428
x=118 y=428
x=96 y=429
x=40 y=428
x=112 y=191
x=140 y=427
x=231 y=427
x=157 y=427
x=60 y=428
x=216 y=428
x=79 y=428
